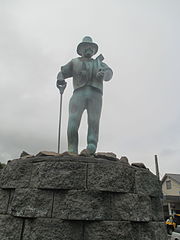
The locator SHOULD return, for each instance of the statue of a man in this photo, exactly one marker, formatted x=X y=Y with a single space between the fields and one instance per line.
x=88 y=75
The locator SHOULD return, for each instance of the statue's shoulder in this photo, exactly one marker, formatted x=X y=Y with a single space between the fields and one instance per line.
x=76 y=61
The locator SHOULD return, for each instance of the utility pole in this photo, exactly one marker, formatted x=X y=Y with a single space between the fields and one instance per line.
x=157 y=166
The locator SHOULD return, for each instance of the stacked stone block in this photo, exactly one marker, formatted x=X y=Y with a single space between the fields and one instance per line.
x=79 y=198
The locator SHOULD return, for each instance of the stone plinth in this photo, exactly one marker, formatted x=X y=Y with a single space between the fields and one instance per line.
x=79 y=198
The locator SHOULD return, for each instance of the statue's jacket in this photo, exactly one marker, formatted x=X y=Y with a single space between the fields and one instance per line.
x=84 y=72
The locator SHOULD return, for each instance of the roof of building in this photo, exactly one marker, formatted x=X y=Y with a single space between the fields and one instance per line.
x=175 y=177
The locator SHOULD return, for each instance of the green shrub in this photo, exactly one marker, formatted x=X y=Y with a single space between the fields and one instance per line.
x=2 y=165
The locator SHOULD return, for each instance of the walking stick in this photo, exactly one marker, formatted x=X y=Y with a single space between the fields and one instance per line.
x=61 y=88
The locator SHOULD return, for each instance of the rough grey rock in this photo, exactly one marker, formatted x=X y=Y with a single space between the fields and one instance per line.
x=110 y=177
x=52 y=229
x=110 y=230
x=79 y=198
x=25 y=154
x=157 y=209
x=4 y=199
x=59 y=175
x=47 y=153
x=149 y=231
x=131 y=207
x=158 y=230
x=10 y=228
x=31 y=203
x=124 y=160
x=81 y=205
x=69 y=154
x=86 y=153
x=16 y=174
x=106 y=155
x=139 y=165
x=147 y=183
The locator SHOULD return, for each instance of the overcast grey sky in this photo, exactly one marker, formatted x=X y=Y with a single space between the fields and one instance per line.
x=140 y=40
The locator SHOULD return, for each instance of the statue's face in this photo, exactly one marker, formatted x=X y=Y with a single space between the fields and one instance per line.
x=88 y=52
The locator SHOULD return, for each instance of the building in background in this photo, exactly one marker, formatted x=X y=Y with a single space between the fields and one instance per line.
x=171 y=194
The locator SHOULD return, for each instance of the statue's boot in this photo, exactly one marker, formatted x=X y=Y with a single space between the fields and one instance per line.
x=86 y=153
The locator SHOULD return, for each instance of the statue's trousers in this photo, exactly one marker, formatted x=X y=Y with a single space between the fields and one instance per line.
x=90 y=99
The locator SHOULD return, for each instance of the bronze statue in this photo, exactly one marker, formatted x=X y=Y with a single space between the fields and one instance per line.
x=88 y=75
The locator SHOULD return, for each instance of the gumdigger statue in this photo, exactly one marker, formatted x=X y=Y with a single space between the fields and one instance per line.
x=88 y=75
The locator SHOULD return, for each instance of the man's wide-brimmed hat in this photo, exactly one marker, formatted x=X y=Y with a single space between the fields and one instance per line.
x=87 y=41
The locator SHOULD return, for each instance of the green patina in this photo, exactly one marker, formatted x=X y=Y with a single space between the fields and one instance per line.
x=88 y=75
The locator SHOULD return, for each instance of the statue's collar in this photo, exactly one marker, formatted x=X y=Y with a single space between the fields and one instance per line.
x=86 y=59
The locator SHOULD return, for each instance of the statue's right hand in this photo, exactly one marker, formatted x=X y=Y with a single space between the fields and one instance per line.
x=61 y=85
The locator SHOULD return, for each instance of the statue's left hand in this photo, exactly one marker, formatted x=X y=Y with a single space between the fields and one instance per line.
x=100 y=75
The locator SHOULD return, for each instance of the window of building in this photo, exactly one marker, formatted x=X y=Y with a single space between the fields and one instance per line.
x=168 y=184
